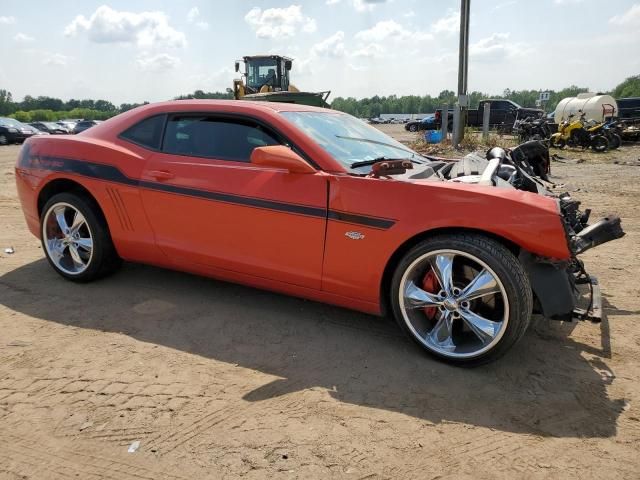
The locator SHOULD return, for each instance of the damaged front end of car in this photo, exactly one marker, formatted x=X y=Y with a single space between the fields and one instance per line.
x=564 y=289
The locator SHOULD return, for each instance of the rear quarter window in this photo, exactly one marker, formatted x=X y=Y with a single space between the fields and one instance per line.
x=147 y=133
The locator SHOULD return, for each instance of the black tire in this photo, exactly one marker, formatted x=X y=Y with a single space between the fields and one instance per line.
x=614 y=141
x=506 y=267
x=599 y=143
x=413 y=128
x=104 y=259
x=4 y=140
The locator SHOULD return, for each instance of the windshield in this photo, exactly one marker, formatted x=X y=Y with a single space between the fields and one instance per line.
x=10 y=122
x=348 y=139
x=262 y=72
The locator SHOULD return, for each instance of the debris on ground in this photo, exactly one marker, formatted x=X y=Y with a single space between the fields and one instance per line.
x=134 y=446
x=86 y=425
x=9 y=250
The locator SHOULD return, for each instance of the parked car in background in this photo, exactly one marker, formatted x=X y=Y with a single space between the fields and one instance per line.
x=13 y=131
x=50 y=127
x=36 y=131
x=502 y=114
x=426 y=123
x=83 y=125
x=68 y=123
x=377 y=121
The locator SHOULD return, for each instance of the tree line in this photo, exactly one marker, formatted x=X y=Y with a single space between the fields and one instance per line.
x=377 y=105
x=50 y=109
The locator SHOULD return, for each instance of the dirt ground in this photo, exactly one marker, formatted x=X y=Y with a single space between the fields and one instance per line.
x=222 y=381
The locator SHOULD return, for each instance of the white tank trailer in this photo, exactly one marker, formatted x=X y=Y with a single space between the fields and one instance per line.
x=596 y=107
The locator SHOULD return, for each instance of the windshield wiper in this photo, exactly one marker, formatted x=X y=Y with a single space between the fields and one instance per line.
x=366 y=163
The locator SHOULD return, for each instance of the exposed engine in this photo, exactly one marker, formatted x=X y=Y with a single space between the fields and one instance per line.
x=527 y=167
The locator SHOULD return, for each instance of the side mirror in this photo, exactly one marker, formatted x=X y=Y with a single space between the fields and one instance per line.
x=279 y=156
x=237 y=66
x=287 y=64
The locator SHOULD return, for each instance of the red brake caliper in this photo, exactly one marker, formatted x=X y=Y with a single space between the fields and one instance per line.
x=430 y=284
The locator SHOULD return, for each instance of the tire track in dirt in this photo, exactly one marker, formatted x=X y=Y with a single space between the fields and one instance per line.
x=87 y=465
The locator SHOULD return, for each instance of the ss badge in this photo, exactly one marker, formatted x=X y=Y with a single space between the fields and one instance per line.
x=354 y=235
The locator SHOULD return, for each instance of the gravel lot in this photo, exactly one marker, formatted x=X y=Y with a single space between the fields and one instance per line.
x=221 y=381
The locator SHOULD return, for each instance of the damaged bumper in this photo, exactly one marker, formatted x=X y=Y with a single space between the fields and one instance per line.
x=564 y=290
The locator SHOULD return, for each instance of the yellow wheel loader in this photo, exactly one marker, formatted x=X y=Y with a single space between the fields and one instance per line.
x=266 y=78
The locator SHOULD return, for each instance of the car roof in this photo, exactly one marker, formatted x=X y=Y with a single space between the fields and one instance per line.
x=239 y=105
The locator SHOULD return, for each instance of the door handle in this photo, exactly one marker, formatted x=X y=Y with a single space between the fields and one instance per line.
x=161 y=174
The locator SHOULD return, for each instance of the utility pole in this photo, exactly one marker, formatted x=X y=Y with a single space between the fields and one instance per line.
x=462 y=107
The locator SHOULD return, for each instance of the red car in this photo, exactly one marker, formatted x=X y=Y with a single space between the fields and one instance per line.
x=314 y=203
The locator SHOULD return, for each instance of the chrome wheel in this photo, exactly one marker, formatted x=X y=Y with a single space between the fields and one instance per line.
x=67 y=238
x=453 y=303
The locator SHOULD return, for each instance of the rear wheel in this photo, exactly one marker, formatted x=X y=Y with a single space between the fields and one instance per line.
x=463 y=298
x=4 y=140
x=75 y=238
x=614 y=141
x=599 y=143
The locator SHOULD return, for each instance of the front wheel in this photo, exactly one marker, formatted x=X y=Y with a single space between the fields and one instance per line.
x=463 y=298
x=413 y=128
x=76 y=239
x=4 y=140
x=557 y=142
x=599 y=143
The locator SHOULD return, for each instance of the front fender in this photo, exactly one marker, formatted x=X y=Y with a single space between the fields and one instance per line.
x=356 y=267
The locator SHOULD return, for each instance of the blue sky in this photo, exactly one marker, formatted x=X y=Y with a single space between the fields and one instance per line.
x=136 y=50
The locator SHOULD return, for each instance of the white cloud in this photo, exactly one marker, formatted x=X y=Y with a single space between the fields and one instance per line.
x=56 y=59
x=389 y=29
x=447 y=24
x=381 y=31
x=630 y=18
x=332 y=46
x=496 y=48
x=279 y=22
x=145 y=29
x=194 y=17
x=193 y=14
x=359 y=5
x=7 y=20
x=365 y=5
x=371 y=50
x=23 y=38
x=218 y=80
x=504 y=4
x=566 y=2
x=157 y=63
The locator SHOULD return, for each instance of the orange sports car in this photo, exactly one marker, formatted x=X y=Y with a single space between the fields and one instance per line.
x=315 y=203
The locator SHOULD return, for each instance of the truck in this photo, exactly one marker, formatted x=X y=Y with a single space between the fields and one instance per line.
x=503 y=113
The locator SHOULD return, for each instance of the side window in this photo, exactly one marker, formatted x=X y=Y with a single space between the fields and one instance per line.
x=147 y=133
x=211 y=137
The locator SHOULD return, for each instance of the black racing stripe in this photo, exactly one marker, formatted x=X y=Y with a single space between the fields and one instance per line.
x=361 y=219
x=113 y=174
x=237 y=199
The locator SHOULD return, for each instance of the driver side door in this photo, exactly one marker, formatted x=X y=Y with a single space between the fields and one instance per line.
x=209 y=205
